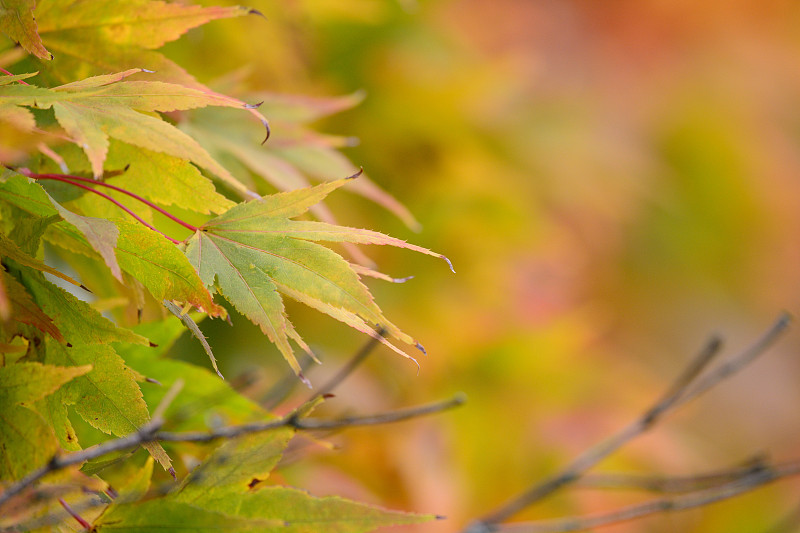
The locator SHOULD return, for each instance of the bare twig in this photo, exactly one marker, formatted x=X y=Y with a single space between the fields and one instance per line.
x=151 y=433
x=284 y=386
x=672 y=484
x=350 y=366
x=749 y=482
x=687 y=387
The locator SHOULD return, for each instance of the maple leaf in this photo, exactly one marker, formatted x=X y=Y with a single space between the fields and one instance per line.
x=75 y=319
x=90 y=38
x=23 y=193
x=224 y=493
x=10 y=250
x=203 y=396
x=295 y=151
x=107 y=397
x=253 y=253
x=25 y=310
x=94 y=109
x=26 y=440
x=16 y=21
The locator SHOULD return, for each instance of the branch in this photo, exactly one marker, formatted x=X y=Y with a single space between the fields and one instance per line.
x=350 y=366
x=673 y=484
x=150 y=433
x=746 y=483
x=685 y=388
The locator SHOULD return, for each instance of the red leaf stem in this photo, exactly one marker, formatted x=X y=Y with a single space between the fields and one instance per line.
x=86 y=525
x=63 y=179
x=135 y=196
x=4 y=71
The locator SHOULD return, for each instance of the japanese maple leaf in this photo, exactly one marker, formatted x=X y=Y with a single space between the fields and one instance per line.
x=94 y=109
x=254 y=255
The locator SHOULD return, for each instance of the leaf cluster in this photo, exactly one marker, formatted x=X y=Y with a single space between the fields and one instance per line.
x=116 y=169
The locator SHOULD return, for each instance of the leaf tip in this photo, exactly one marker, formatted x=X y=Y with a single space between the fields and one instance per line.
x=265 y=122
x=148 y=71
x=421 y=348
x=256 y=12
x=357 y=174
x=153 y=380
x=172 y=473
x=305 y=380
x=448 y=263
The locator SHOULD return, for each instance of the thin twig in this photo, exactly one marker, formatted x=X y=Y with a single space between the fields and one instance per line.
x=700 y=498
x=282 y=388
x=166 y=401
x=739 y=362
x=672 y=484
x=150 y=433
x=683 y=389
x=350 y=366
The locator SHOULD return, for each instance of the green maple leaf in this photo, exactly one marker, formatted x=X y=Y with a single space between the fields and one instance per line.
x=94 y=109
x=89 y=37
x=75 y=319
x=161 y=268
x=253 y=254
x=108 y=397
x=228 y=485
x=295 y=152
x=26 y=441
x=16 y=21
x=10 y=250
x=203 y=396
x=23 y=193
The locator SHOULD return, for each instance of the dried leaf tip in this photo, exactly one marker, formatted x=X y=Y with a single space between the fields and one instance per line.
x=266 y=126
x=148 y=71
x=253 y=106
x=172 y=473
x=448 y=263
x=421 y=348
x=153 y=380
x=256 y=12
x=357 y=174
x=305 y=380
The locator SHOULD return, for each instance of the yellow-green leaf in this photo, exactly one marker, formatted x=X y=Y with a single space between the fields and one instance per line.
x=16 y=21
x=90 y=38
x=108 y=397
x=25 y=194
x=161 y=267
x=253 y=253
x=26 y=440
x=94 y=109
x=77 y=321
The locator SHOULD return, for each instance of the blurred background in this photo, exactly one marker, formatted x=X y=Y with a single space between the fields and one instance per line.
x=613 y=181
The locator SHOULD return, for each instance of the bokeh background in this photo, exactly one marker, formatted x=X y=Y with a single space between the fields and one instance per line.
x=613 y=181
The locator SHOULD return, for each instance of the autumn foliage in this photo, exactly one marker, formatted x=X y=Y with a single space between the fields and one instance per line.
x=105 y=171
